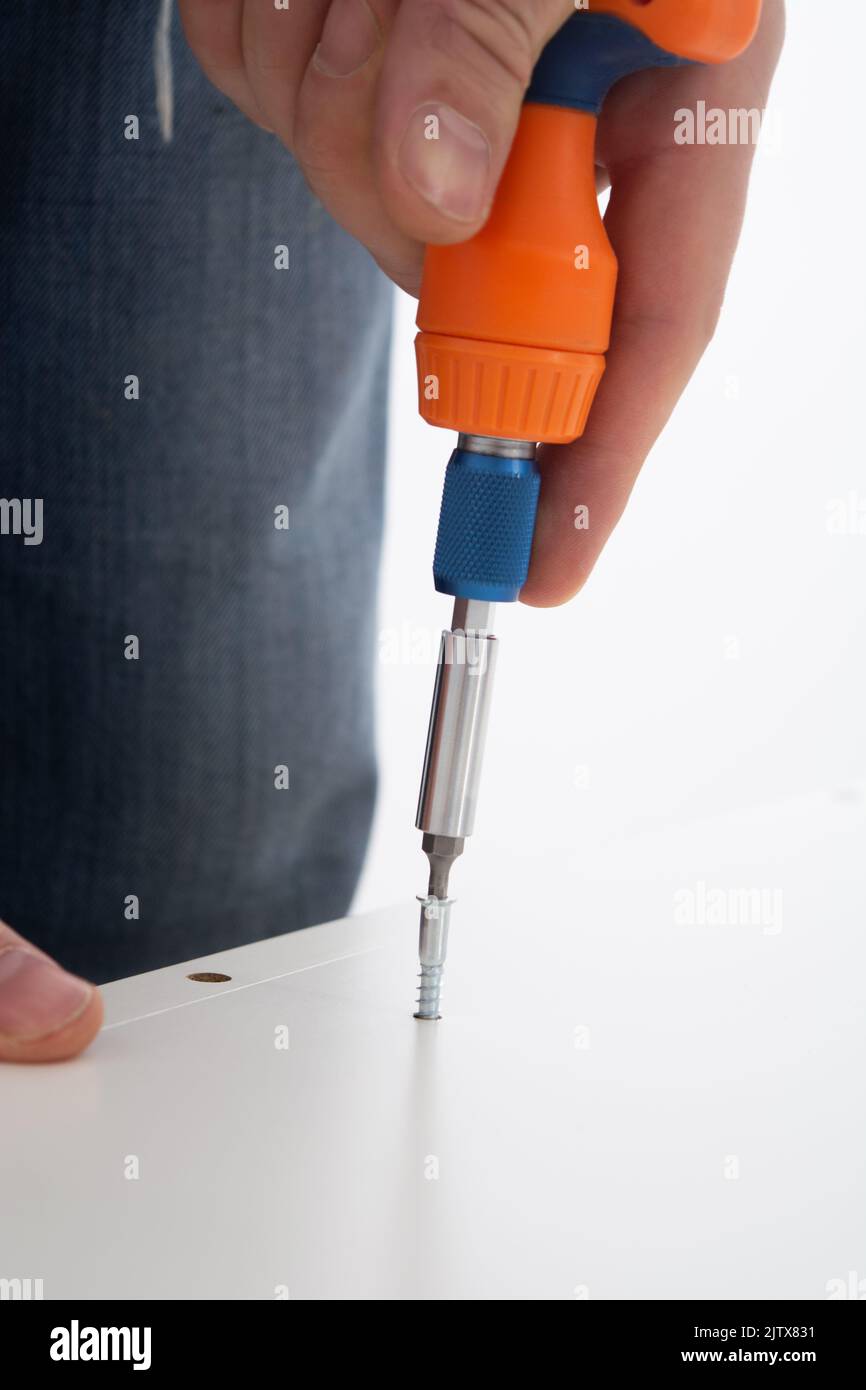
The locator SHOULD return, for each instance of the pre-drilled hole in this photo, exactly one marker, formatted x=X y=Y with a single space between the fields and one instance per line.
x=209 y=977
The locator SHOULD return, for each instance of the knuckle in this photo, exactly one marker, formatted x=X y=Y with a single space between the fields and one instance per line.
x=314 y=151
x=494 y=39
x=708 y=318
x=690 y=328
x=322 y=147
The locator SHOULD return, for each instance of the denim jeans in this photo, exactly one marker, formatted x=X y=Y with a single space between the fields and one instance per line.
x=168 y=392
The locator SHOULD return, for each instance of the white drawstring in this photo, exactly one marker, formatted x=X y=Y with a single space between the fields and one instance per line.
x=163 y=71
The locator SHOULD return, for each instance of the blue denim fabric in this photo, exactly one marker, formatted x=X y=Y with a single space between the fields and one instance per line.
x=258 y=388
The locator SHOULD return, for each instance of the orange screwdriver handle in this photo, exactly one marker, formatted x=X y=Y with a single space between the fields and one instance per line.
x=515 y=322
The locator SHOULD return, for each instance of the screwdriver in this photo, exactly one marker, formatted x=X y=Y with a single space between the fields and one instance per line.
x=514 y=325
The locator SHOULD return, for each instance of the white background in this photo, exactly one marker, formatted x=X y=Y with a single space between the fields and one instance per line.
x=715 y=659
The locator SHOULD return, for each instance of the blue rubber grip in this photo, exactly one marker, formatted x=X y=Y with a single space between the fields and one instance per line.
x=587 y=56
x=485 y=527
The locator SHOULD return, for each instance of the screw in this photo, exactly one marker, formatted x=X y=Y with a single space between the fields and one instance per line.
x=432 y=948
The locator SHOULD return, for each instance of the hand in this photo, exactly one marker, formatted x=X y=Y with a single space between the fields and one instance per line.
x=45 y=1013
x=345 y=83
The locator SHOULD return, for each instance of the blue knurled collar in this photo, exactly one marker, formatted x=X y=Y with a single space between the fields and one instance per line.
x=486 y=526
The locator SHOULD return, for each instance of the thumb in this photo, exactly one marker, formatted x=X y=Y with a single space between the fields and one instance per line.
x=450 y=95
x=46 y=1014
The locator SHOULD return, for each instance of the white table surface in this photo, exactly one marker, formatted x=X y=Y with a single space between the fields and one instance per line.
x=616 y=1105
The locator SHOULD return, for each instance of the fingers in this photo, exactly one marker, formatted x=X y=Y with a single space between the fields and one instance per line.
x=674 y=219
x=333 y=133
x=46 y=1014
x=213 y=31
x=277 y=46
x=452 y=86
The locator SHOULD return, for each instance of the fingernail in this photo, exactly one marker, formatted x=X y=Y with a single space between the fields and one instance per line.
x=36 y=996
x=349 y=39
x=447 y=160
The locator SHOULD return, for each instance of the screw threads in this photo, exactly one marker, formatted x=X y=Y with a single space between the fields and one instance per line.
x=429 y=991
